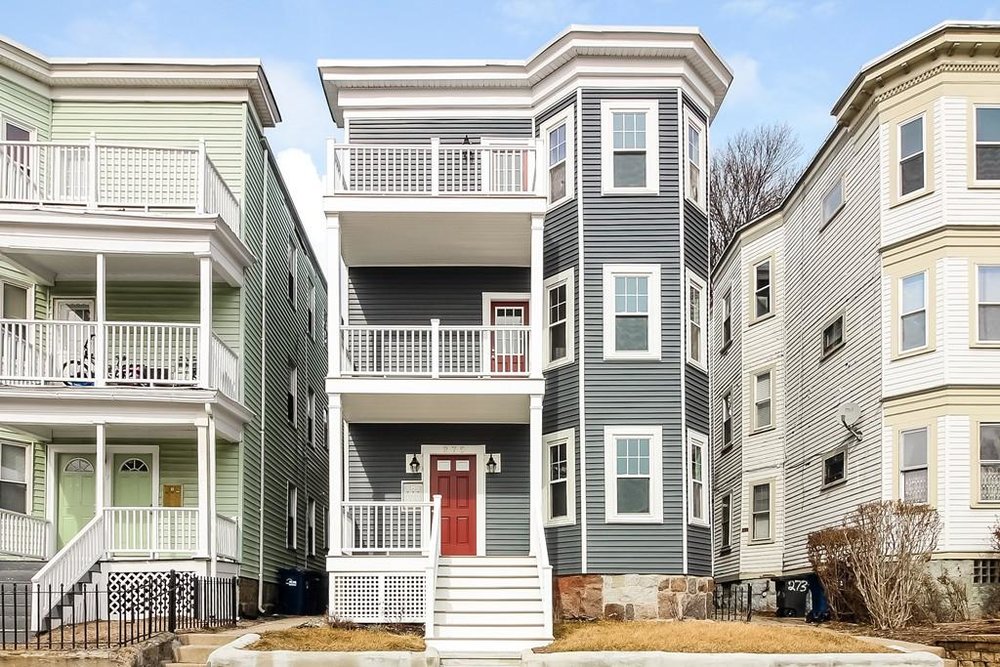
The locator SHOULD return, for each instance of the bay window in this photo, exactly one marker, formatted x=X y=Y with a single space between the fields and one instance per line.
x=631 y=311
x=911 y=156
x=559 y=314
x=913 y=312
x=559 y=481
x=988 y=304
x=629 y=146
x=913 y=477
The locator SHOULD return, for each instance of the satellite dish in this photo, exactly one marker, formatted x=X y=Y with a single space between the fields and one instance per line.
x=849 y=413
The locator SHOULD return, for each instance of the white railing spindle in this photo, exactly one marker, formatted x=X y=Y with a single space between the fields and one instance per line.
x=23 y=535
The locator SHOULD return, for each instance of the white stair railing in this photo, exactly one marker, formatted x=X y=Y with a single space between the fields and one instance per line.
x=224 y=373
x=23 y=535
x=541 y=552
x=227 y=537
x=433 y=556
x=68 y=566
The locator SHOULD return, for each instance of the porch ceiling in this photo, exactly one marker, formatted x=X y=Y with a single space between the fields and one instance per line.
x=82 y=266
x=134 y=433
x=436 y=408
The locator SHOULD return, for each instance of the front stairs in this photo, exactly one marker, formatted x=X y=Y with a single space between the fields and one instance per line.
x=487 y=609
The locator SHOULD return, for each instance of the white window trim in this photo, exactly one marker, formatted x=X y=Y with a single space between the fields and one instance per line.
x=292 y=494
x=899 y=157
x=827 y=219
x=976 y=143
x=726 y=412
x=770 y=511
x=696 y=439
x=757 y=428
x=566 y=116
x=655 y=435
x=567 y=277
x=652 y=271
x=311 y=306
x=754 y=317
x=311 y=526
x=824 y=352
x=701 y=202
x=727 y=317
x=696 y=281
x=902 y=469
x=29 y=466
x=722 y=526
x=822 y=471
x=925 y=309
x=29 y=298
x=293 y=389
x=976 y=303
x=651 y=108
x=311 y=417
x=567 y=436
x=293 y=272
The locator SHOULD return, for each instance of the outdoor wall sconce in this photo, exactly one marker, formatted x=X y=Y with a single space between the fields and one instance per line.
x=492 y=464
x=413 y=463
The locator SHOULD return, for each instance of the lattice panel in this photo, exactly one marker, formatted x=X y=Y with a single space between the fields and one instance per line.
x=378 y=598
x=128 y=589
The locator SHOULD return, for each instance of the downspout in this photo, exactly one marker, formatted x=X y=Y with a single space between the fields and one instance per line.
x=263 y=381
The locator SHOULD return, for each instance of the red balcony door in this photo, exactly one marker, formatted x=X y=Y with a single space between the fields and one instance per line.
x=509 y=349
x=454 y=479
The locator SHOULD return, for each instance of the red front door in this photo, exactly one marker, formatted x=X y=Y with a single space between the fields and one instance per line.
x=509 y=350
x=454 y=478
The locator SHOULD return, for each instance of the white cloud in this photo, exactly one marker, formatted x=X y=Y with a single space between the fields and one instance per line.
x=781 y=11
x=746 y=87
x=306 y=189
x=306 y=122
x=527 y=18
x=130 y=30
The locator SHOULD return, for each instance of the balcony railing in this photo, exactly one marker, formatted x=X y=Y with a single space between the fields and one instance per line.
x=152 y=531
x=23 y=535
x=145 y=354
x=115 y=176
x=433 y=170
x=435 y=351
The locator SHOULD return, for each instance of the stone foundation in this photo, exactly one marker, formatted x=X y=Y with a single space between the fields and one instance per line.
x=632 y=596
x=973 y=650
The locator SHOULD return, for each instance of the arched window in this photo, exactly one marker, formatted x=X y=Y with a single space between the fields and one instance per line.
x=134 y=465
x=79 y=465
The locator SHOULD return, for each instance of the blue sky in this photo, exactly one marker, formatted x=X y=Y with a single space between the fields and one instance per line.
x=791 y=58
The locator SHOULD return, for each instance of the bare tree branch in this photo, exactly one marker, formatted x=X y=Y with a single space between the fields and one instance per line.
x=750 y=175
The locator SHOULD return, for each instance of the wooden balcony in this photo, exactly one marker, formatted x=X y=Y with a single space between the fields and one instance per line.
x=99 y=175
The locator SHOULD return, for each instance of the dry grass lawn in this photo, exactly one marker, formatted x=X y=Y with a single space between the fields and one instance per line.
x=338 y=639
x=702 y=637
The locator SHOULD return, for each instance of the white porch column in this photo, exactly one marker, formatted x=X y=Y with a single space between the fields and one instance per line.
x=204 y=488
x=101 y=462
x=205 y=321
x=100 y=351
x=333 y=296
x=535 y=474
x=336 y=429
x=209 y=522
x=536 y=308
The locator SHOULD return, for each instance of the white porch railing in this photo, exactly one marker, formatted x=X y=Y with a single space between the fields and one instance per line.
x=135 y=353
x=71 y=562
x=433 y=169
x=115 y=175
x=435 y=351
x=23 y=535
x=227 y=537
x=153 y=531
x=386 y=527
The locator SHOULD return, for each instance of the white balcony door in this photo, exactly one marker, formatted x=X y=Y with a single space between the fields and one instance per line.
x=509 y=352
x=74 y=349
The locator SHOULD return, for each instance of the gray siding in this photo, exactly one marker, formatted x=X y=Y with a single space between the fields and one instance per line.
x=450 y=130
x=561 y=404
x=412 y=296
x=626 y=229
x=376 y=458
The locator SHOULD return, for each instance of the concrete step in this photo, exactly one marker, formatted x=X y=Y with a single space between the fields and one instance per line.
x=182 y=664
x=499 y=648
x=196 y=653
x=480 y=660
x=479 y=593
x=204 y=639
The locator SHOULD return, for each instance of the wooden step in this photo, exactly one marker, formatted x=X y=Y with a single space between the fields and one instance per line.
x=491 y=571
x=478 y=593
x=491 y=619
x=475 y=605
x=488 y=582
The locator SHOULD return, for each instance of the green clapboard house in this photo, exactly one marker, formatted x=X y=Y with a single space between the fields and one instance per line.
x=162 y=336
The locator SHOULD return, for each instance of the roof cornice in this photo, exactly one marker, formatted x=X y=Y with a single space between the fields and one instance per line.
x=573 y=43
x=190 y=73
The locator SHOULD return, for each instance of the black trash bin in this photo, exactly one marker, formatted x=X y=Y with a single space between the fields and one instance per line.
x=315 y=593
x=792 y=594
x=291 y=592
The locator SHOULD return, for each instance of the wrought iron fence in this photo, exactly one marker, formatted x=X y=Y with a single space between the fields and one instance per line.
x=88 y=616
x=732 y=602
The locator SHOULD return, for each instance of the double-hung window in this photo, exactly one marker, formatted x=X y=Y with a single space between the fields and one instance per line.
x=911 y=156
x=726 y=522
x=988 y=143
x=311 y=311
x=557 y=133
x=727 y=318
x=697 y=313
x=13 y=477
x=760 y=520
x=631 y=311
x=988 y=304
x=560 y=474
x=311 y=416
x=292 y=397
x=763 y=400
x=913 y=471
x=913 y=312
x=763 y=289
x=989 y=463
x=727 y=421
x=559 y=315
x=833 y=201
x=697 y=478
x=629 y=146
x=696 y=154
x=292 y=517
x=292 y=256
x=633 y=474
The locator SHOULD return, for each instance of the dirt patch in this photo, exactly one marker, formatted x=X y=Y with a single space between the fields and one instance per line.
x=371 y=638
x=702 y=637
x=924 y=634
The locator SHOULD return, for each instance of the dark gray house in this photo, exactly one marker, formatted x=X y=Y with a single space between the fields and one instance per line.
x=518 y=387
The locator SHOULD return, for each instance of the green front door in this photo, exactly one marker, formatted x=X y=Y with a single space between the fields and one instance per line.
x=133 y=480
x=76 y=496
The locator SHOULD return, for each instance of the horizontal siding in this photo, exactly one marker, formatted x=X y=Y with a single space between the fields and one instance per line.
x=25 y=107
x=412 y=296
x=376 y=468
x=449 y=130
x=632 y=229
